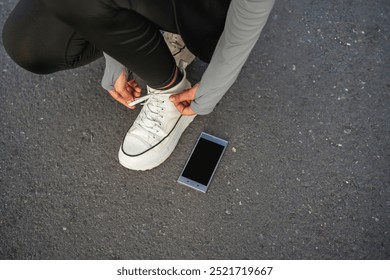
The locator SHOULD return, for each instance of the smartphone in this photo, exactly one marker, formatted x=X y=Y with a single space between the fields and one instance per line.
x=203 y=162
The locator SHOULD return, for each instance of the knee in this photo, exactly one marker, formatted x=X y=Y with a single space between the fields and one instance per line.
x=23 y=51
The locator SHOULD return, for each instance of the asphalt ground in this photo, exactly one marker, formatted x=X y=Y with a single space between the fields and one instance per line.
x=305 y=175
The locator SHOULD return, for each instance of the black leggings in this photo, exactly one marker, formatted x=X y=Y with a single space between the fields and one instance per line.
x=45 y=36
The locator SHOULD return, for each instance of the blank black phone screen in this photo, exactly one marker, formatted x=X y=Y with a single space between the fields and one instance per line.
x=203 y=161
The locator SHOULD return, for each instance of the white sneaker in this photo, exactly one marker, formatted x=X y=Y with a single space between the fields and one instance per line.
x=180 y=52
x=156 y=131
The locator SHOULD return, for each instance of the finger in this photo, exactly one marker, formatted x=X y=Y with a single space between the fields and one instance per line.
x=121 y=100
x=186 y=95
x=136 y=93
x=132 y=92
x=188 y=111
x=183 y=96
x=184 y=108
x=127 y=94
x=186 y=103
x=114 y=94
x=180 y=106
x=134 y=88
x=134 y=85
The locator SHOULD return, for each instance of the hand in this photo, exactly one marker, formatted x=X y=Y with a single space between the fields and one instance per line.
x=182 y=101
x=125 y=91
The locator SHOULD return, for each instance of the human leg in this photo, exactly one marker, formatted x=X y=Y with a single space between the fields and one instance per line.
x=139 y=44
x=40 y=43
x=136 y=42
x=123 y=33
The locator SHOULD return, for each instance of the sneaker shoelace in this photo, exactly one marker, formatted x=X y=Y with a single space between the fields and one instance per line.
x=151 y=115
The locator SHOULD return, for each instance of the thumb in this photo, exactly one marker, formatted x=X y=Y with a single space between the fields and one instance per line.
x=180 y=97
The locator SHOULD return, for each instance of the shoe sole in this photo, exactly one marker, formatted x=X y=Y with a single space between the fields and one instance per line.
x=159 y=155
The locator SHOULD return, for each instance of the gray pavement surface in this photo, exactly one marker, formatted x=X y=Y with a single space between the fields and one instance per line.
x=306 y=174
